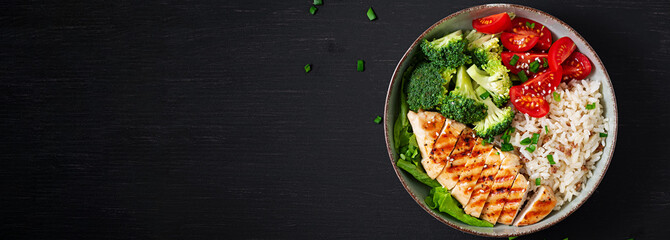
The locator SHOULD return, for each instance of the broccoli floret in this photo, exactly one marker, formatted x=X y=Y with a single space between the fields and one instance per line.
x=463 y=105
x=427 y=87
x=497 y=84
x=496 y=122
x=448 y=51
x=485 y=51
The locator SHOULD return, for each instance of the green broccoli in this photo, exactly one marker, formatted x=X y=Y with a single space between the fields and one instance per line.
x=496 y=122
x=448 y=51
x=497 y=84
x=485 y=51
x=427 y=87
x=463 y=105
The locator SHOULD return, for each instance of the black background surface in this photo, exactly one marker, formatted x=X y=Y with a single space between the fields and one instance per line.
x=195 y=119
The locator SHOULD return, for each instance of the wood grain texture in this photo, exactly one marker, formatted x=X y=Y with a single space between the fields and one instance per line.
x=195 y=119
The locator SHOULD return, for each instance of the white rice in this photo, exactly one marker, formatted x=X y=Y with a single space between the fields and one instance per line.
x=573 y=139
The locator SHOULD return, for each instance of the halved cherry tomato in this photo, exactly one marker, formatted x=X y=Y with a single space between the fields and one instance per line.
x=577 y=66
x=526 y=26
x=545 y=82
x=528 y=101
x=560 y=51
x=492 y=24
x=524 y=62
x=518 y=42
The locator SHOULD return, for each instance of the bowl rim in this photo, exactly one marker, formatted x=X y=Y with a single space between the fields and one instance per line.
x=388 y=121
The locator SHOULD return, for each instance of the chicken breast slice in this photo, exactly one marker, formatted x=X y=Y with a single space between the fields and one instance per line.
x=457 y=159
x=500 y=189
x=538 y=207
x=473 y=168
x=427 y=127
x=483 y=187
x=442 y=148
x=516 y=197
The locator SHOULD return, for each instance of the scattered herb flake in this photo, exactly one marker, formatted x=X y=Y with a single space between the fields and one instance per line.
x=525 y=141
x=557 y=97
x=308 y=68
x=534 y=66
x=603 y=134
x=545 y=62
x=536 y=136
x=371 y=14
x=514 y=60
x=506 y=147
x=523 y=77
x=551 y=159
x=361 y=65
x=530 y=148
x=313 y=10
x=378 y=119
x=591 y=106
x=484 y=95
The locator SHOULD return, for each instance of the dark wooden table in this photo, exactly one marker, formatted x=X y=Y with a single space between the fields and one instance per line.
x=195 y=119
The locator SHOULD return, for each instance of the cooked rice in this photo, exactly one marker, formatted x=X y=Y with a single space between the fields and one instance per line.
x=573 y=139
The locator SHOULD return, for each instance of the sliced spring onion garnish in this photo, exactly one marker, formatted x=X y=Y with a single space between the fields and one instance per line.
x=525 y=141
x=551 y=159
x=603 y=134
x=538 y=181
x=371 y=14
x=514 y=59
x=591 y=106
x=534 y=66
x=318 y=2
x=361 y=65
x=378 y=119
x=536 y=136
x=557 y=97
x=312 y=10
x=308 y=68
x=530 y=148
x=523 y=77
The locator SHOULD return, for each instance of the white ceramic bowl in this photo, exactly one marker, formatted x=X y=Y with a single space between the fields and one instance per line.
x=463 y=20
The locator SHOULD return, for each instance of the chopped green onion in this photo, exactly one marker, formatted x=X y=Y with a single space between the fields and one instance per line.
x=551 y=159
x=361 y=65
x=557 y=97
x=308 y=68
x=546 y=129
x=534 y=66
x=312 y=10
x=497 y=153
x=484 y=95
x=318 y=2
x=523 y=77
x=506 y=147
x=545 y=63
x=538 y=181
x=591 y=106
x=514 y=59
x=525 y=141
x=505 y=137
x=532 y=25
x=511 y=130
x=371 y=14
x=510 y=238
x=603 y=134
x=536 y=136
x=528 y=25
x=378 y=119
x=530 y=148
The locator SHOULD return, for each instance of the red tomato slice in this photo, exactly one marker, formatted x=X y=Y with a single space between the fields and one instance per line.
x=528 y=102
x=524 y=62
x=545 y=82
x=526 y=26
x=560 y=51
x=492 y=24
x=518 y=42
x=577 y=66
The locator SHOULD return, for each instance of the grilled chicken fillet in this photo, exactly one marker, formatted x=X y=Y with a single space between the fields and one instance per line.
x=457 y=160
x=516 y=197
x=470 y=175
x=538 y=207
x=483 y=187
x=500 y=189
x=427 y=127
x=442 y=148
